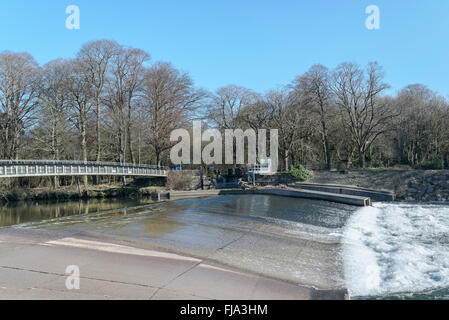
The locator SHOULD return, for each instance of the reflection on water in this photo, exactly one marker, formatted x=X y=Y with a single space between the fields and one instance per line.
x=13 y=213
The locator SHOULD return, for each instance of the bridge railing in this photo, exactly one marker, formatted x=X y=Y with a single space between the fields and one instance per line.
x=80 y=162
x=24 y=168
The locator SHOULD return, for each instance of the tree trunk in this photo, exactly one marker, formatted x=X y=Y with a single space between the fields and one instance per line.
x=327 y=155
x=130 y=150
x=84 y=145
x=56 y=178
x=97 y=129
x=138 y=148
x=286 y=155
x=325 y=143
x=362 y=162
x=158 y=157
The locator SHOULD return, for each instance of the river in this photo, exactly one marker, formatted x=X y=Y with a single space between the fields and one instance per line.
x=398 y=251
x=385 y=251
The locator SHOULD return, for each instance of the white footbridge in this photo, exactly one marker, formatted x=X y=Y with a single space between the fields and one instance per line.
x=50 y=168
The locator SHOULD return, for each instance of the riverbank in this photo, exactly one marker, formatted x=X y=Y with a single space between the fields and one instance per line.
x=408 y=185
x=74 y=193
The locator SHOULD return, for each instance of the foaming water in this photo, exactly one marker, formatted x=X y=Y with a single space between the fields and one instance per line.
x=397 y=250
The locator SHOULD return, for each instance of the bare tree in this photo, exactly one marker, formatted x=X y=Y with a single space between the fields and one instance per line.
x=123 y=83
x=315 y=87
x=169 y=98
x=364 y=112
x=228 y=105
x=53 y=109
x=289 y=118
x=96 y=56
x=19 y=78
x=134 y=82
x=81 y=93
x=422 y=126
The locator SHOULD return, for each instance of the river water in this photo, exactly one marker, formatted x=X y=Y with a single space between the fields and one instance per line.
x=385 y=251
x=398 y=251
x=20 y=212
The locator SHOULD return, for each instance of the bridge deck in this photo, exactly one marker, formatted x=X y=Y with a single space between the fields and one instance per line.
x=38 y=168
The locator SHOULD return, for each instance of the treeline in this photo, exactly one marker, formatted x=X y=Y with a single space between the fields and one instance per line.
x=112 y=103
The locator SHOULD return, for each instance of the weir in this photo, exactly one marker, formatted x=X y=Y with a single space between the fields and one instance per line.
x=376 y=195
x=294 y=193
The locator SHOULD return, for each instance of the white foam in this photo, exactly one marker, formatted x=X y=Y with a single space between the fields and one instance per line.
x=392 y=248
x=362 y=272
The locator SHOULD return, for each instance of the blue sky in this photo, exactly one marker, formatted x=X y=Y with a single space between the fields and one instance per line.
x=257 y=44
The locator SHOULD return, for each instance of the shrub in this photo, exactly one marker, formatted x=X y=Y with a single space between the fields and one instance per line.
x=300 y=173
x=211 y=175
x=433 y=164
x=179 y=180
x=147 y=191
x=377 y=163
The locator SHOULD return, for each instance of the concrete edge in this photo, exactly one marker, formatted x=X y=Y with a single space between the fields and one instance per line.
x=294 y=193
x=377 y=195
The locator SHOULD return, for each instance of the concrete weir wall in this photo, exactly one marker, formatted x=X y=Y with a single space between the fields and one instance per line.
x=376 y=195
x=317 y=195
x=295 y=193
